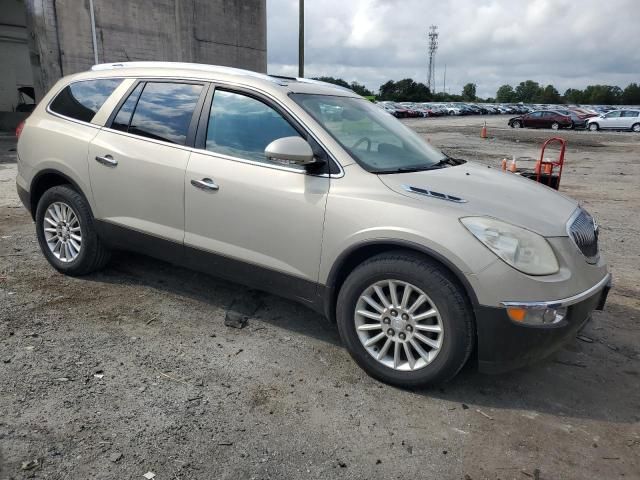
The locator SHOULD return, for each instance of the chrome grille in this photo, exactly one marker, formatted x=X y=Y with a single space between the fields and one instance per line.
x=583 y=230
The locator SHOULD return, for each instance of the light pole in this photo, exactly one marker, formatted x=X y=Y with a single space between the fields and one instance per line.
x=301 y=40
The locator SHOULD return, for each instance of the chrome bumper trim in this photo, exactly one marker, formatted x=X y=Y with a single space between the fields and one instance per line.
x=565 y=302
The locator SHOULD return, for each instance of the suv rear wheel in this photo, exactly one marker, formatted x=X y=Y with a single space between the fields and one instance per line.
x=405 y=320
x=67 y=237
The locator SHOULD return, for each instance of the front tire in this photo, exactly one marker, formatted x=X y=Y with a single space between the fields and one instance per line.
x=405 y=320
x=594 y=127
x=516 y=124
x=66 y=234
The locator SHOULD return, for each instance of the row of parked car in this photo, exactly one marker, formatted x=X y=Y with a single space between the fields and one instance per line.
x=432 y=109
x=593 y=117
x=573 y=117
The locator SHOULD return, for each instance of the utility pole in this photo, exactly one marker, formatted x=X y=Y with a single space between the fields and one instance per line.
x=433 y=46
x=301 y=40
x=444 y=82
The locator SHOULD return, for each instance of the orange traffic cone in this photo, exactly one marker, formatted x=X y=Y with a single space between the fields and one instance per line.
x=483 y=132
x=547 y=168
x=512 y=167
x=504 y=164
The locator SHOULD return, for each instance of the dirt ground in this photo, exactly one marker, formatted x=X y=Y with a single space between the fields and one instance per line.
x=132 y=371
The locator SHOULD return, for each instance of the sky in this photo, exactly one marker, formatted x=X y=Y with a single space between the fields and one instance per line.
x=568 y=43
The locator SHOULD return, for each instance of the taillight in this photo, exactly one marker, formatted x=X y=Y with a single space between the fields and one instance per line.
x=19 y=129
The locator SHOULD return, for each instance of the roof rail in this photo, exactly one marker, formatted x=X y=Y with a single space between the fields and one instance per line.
x=326 y=84
x=188 y=66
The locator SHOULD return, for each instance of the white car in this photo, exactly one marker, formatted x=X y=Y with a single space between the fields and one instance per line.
x=616 y=120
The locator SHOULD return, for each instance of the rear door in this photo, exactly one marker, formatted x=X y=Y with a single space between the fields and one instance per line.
x=248 y=218
x=629 y=118
x=138 y=161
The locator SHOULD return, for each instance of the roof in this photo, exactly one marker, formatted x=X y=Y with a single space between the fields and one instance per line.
x=216 y=72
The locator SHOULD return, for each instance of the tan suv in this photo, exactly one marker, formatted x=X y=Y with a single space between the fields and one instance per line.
x=311 y=192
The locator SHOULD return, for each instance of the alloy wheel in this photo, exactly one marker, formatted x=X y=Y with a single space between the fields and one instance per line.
x=62 y=232
x=399 y=325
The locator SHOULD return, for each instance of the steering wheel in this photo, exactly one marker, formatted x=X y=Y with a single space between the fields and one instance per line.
x=362 y=140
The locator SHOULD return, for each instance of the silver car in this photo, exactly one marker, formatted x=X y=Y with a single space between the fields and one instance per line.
x=616 y=120
x=311 y=192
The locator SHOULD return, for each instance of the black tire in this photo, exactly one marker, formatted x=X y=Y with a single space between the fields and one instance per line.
x=635 y=127
x=516 y=124
x=448 y=297
x=555 y=126
x=594 y=127
x=93 y=255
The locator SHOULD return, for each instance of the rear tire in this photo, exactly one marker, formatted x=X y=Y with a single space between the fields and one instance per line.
x=635 y=127
x=555 y=126
x=66 y=233
x=444 y=316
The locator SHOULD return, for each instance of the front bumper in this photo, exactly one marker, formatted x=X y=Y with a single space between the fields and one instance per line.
x=504 y=345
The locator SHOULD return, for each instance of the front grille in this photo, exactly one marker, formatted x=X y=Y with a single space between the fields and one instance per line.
x=584 y=233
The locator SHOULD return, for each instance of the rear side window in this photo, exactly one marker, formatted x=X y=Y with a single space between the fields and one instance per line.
x=630 y=113
x=82 y=100
x=123 y=119
x=161 y=110
x=242 y=127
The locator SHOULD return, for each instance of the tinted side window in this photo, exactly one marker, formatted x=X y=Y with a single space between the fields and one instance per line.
x=123 y=118
x=614 y=114
x=81 y=100
x=630 y=113
x=242 y=126
x=164 y=111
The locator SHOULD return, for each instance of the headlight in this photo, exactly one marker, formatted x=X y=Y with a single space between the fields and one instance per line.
x=522 y=249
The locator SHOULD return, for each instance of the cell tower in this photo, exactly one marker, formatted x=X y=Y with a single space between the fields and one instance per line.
x=433 y=47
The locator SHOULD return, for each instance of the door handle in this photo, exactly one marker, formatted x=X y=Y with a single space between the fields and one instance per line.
x=205 y=184
x=107 y=160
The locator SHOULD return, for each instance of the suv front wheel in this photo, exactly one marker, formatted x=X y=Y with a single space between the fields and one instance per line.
x=66 y=234
x=405 y=320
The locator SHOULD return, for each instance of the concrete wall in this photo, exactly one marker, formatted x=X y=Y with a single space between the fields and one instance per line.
x=14 y=53
x=220 y=32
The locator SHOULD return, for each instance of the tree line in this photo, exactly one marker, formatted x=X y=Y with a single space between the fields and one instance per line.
x=408 y=90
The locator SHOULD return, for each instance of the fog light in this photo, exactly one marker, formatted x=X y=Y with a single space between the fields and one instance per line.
x=536 y=315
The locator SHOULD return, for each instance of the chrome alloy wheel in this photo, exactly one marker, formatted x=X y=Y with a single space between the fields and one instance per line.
x=399 y=325
x=62 y=232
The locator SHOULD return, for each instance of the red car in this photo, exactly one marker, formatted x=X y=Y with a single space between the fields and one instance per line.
x=541 y=119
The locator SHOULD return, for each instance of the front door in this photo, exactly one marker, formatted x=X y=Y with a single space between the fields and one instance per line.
x=246 y=217
x=612 y=120
x=532 y=119
x=137 y=163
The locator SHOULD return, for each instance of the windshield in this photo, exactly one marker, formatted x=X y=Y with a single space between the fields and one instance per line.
x=374 y=138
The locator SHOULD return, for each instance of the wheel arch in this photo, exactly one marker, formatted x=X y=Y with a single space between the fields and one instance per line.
x=46 y=179
x=358 y=253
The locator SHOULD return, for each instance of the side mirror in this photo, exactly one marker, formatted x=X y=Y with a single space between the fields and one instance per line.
x=290 y=150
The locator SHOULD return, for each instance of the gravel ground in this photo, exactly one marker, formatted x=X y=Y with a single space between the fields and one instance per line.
x=132 y=371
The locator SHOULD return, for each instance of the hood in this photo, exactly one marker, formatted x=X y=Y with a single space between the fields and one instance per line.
x=490 y=192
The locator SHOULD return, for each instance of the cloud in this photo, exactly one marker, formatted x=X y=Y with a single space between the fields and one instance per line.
x=488 y=42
